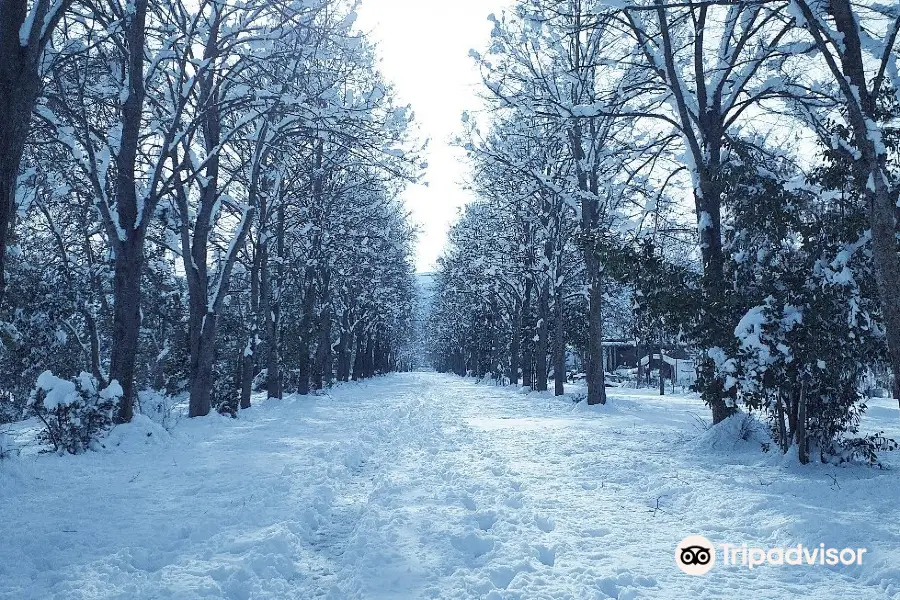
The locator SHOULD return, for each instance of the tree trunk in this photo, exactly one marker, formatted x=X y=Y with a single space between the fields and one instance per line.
x=712 y=285
x=779 y=420
x=802 y=442
x=303 y=370
x=202 y=377
x=542 y=345
x=247 y=374
x=348 y=348
x=559 y=344
x=887 y=274
x=12 y=146
x=526 y=334
x=198 y=330
x=94 y=345
x=345 y=344
x=596 y=382
x=304 y=367
x=129 y=245
x=369 y=361
x=271 y=296
x=205 y=301
x=359 y=357
x=322 y=373
x=381 y=351
x=588 y=183
x=514 y=344
x=248 y=357
x=127 y=271
x=662 y=380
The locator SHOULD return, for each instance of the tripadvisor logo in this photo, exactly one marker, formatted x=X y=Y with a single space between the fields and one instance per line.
x=696 y=555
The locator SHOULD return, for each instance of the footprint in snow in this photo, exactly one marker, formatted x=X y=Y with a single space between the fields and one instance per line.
x=546 y=554
x=625 y=586
x=473 y=544
x=501 y=577
x=545 y=524
x=514 y=501
x=486 y=520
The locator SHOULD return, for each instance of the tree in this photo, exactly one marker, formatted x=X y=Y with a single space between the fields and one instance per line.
x=860 y=49
x=25 y=32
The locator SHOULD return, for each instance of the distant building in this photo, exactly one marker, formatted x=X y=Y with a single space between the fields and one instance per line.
x=619 y=354
x=674 y=364
x=622 y=354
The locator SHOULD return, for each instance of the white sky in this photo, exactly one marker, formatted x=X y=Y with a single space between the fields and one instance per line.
x=424 y=49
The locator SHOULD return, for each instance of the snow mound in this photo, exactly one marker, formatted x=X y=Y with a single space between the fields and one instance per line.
x=140 y=434
x=8 y=448
x=738 y=430
x=583 y=407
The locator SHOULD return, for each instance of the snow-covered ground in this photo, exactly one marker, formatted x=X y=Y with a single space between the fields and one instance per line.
x=430 y=486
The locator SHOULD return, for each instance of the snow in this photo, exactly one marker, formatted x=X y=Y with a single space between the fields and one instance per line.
x=423 y=485
x=705 y=221
x=113 y=390
x=750 y=329
x=59 y=392
x=28 y=24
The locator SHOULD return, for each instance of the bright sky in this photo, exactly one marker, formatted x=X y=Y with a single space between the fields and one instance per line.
x=424 y=49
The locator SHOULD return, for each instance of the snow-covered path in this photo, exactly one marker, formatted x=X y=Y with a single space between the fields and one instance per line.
x=430 y=486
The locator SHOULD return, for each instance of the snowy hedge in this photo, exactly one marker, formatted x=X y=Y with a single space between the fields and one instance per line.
x=75 y=413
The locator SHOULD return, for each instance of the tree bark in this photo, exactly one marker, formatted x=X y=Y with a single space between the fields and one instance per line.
x=248 y=358
x=369 y=362
x=801 y=441
x=343 y=347
x=203 y=308
x=127 y=270
x=359 y=356
x=271 y=297
x=662 y=380
x=322 y=373
x=596 y=382
x=129 y=245
x=202 y=360
x=559 y=344
x=514 y=344
x=712 y=285
x=542 y=345
x=526 y=334
x=304 y=366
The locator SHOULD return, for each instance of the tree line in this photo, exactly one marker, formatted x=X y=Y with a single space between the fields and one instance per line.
x=722 y=174
x=198 y=197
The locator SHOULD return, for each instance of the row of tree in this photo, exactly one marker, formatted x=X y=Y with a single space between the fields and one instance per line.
x=730 y=169
x=200 y=196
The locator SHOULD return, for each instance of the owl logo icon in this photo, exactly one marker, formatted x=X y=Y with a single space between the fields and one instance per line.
x=695 y=555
